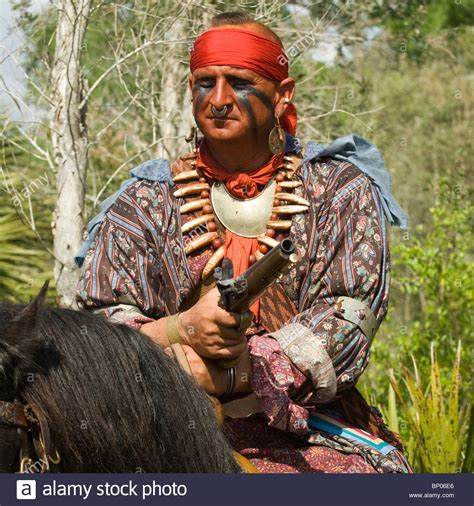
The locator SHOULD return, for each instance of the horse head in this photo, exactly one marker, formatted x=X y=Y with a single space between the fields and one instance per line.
x=20 y=346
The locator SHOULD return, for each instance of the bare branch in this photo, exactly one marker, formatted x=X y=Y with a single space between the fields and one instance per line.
x=124 y=164
x=134 y=52
x=46 y=155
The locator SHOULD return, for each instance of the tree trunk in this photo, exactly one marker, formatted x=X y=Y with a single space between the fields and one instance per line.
x=175 y=111
x=70 y=144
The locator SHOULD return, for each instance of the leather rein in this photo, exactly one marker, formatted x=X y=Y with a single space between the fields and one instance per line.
x=35 y=451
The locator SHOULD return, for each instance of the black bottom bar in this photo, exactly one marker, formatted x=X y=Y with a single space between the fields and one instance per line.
x=238 y=490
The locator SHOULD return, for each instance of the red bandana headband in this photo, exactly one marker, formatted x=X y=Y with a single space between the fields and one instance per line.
x=237 y=47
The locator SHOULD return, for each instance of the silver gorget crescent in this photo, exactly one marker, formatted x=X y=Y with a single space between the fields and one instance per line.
x=245 y=217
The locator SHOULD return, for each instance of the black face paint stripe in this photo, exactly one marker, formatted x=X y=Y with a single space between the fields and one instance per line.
x=243 y=97
x=265 y=99
x=202 y=94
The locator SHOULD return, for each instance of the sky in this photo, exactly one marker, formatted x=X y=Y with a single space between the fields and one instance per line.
x=11 y=76
x=10 y=41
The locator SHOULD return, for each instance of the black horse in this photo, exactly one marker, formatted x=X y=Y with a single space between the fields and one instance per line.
x=80 y=394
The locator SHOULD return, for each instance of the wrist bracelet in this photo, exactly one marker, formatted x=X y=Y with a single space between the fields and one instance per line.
x=172 y=331
x=231 y=373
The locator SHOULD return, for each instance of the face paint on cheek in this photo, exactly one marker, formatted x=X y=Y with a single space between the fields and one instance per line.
x=201 y=95
x=243 y=98
x=264 y=98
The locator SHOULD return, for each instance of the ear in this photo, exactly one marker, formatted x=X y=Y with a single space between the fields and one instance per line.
x=286 y=89
x=190 y=84
x=18 y=346
x=24 y=324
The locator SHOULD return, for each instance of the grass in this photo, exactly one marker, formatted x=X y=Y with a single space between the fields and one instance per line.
x=438 y=425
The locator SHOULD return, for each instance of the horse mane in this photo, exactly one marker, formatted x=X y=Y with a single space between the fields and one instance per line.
x=114 y=401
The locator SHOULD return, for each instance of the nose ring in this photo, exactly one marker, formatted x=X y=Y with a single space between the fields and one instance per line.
x=219 y=113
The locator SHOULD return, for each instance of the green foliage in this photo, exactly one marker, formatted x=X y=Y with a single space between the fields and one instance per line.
x=417 y=115
x=17 y=262
x=412 y=22
x=468 y=466
x=24 y=261
x=436 y=271
x=437 y=421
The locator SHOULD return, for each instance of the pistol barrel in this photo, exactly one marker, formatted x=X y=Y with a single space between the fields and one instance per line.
x=264 y=272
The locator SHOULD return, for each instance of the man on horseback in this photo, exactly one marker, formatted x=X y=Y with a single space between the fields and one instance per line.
x=248 y=184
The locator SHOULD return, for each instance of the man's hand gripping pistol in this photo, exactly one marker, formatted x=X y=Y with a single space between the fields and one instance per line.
x=237 y=295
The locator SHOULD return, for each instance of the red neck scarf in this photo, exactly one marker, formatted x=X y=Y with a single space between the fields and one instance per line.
x=241 y=184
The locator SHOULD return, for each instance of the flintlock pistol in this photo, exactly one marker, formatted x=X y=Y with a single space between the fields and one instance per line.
x=237 y=295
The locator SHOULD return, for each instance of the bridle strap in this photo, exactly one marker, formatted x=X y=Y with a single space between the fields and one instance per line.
x=30 y=423
x=13 y=414
x=41 y=437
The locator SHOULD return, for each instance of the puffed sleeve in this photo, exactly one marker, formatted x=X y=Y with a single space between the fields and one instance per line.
x=121 y=272
x=323 y=350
